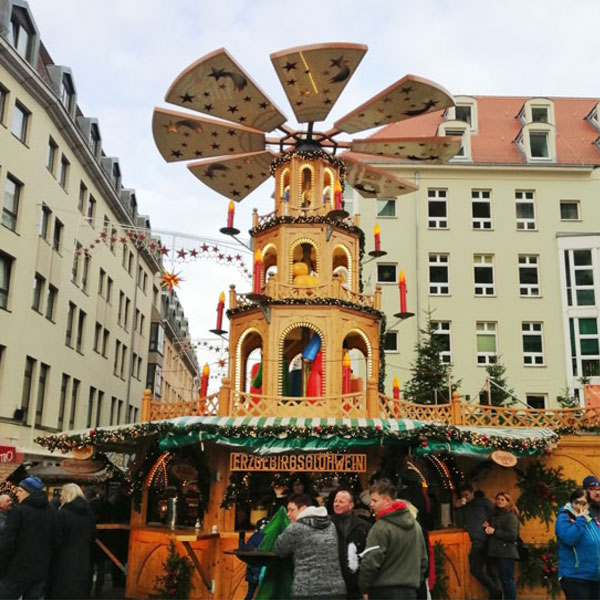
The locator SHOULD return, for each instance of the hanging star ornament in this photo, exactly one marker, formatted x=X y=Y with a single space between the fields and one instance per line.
x=170 y=280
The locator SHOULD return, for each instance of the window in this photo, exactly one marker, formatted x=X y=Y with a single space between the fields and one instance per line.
x=121 y=307
x=5 y=270
x=20 y=123
x=21 y=32
x=70 y=321
x=39 y=283
x=85 y=272
x=67 y=92
x=101 y=282
x=64 y=385
x=99 y=408
x=136 y=319
x=585 y=346
x=12 y=197
x=437 y=209
x=95 y=139
x=51 y=155
x=91 y=211
x=483 y=266
x=539 y=114
x=74 y=398
x=41 y=395
x=529 y=278
x=51 y=302
x=105 y=337
x=580 y=278
x=462 y=113
x=486 y=343
x=481 y=209
x=127 y=309
x=537 y=401
x=64 y=171
x=113 y=410
x=525 y=209
x=130 y=264
x=390 y=342
x=82 y=197
x=97 y=337
x=157 y=338
x=80 y=330
x=439 y=280
x=109 y=287
x=75 y=267
x=56 y=238
x=117 y=352
x=27 y=383
x=569 y=210
x=3 y=100
x=45 y=216
x=119 y=411
x=533 y=344
x=142 y=321
x=441 y=330
x=386 y=207
x=90 y=411
x=386 y=273
x=538 y=143
x=113 y=239
x=459 y=133
x=123 y=361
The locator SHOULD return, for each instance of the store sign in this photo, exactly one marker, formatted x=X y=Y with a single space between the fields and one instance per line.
x=503 y=458
x=315 y=462
x=8 y=454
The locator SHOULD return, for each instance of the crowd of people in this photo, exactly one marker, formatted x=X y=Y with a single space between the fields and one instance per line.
x=48 y=548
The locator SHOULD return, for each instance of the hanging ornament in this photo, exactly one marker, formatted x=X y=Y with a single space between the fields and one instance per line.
x=170 y=280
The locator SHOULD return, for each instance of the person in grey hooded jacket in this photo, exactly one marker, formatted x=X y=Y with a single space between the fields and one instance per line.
x=311 y=540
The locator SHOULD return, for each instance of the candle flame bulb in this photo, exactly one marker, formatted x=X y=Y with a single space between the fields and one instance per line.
x=206 y=370
x=401 y=277
x=258 y=256
x=396 y=383
x=337 y=186
x=346 y=362
x=378 y=231
x=231 y=205
x=222 y=297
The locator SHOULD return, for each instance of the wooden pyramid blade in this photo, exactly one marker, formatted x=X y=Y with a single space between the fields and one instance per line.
x=180 y=136
x=314 y=76
x=371 y=182
x=218 y=86
x=407 y=98
x=235 y=176
x=435 y=150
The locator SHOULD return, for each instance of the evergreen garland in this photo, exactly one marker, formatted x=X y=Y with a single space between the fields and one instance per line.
x=541 y=568
x=440 y=589
x=176 y=582
x=543 y=492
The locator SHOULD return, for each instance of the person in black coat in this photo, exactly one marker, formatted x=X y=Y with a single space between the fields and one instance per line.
x=26 y=546
x=352 y=536
x=71 y=573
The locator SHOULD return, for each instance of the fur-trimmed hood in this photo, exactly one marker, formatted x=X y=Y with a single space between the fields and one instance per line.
x=314 y=516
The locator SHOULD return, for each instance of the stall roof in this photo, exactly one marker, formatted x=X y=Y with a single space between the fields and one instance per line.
x=269 y=435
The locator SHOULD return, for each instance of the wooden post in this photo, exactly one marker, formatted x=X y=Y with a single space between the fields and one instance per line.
x=377 y=299
x=357 y=220
x=232 y=297
x=373 y=411
x=456 y=409
x=225 y=397
x=254 y=217
x=146 y=406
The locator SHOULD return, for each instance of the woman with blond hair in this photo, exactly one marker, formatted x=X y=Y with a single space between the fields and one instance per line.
x=71 y=572
x=503 y=532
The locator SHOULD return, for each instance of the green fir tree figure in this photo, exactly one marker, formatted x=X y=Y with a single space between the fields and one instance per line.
x=501 y=394
x=431 y=377
x=176 y=582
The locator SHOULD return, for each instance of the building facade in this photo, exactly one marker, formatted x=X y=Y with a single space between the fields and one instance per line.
x=75 y=298
x=501 y=245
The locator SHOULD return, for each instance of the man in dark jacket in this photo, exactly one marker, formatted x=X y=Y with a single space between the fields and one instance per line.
x=26 y=547
x=395 y=560
x=5 y=506
x=352 y=537
x=591 y=485
x=472 y=511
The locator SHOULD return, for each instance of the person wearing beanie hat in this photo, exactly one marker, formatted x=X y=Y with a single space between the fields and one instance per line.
x=27 y=544
x=591 y=485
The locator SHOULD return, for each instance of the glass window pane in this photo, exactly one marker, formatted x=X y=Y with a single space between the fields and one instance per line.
x=569 y=211
x=585 y=298
x=590 y=368
x=481 y=210
x=483 y=275
x=589 y=346
x=486 y=343
x=584 y=277
x=386 y=208
x=528 y=275
x=438 y=274
x=539 y=145
x=582 y=258
x=525 y=210
x=532 y=343
x=437 y=209
x=588 y=326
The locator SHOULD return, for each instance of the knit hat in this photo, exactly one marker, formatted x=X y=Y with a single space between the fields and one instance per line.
x=590 y=481
x=32 y=484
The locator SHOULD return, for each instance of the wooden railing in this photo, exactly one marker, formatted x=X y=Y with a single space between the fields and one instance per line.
x=240 y=404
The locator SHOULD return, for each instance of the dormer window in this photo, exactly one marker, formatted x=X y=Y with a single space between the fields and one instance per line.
x=537 y=110
x=458 y=133
x=116 y=173
x=465 y=111
x=539 y=114
x=461 y=130
x=67 y=92
x=538 y=144
x=21 y=32
x=95 y=139
x=594 y=117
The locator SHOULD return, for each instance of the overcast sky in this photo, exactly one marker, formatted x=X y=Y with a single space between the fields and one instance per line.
x=124 y=54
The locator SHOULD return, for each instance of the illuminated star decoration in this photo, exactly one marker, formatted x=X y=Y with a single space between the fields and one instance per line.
x=170 y=280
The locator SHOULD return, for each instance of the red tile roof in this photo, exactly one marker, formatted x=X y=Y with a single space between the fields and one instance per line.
x=498 y=126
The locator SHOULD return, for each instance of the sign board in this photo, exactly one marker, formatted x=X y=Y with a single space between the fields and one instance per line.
x=82 y=467
x=503 y=458
x=319 y=461
x=8 y=454
x=591 y=393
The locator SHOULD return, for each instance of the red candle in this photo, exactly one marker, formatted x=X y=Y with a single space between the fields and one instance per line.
x=220 y=307
x=377 y=238
x=402 y=287
x=346 y=374
x=258 y=271
x=337 y=195
x=230 y=213
x=396 y=389
x=204 y=381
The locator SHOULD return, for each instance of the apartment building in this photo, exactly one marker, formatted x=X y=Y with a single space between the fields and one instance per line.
x=502 y=244
x=75 y=299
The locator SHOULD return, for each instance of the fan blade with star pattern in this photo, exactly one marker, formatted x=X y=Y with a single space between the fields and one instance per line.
x=371 y=182
x=181 y=136
x=409 y=97
x=433 y=150
x=217 y=85
x=234 y=176
x=314 y=76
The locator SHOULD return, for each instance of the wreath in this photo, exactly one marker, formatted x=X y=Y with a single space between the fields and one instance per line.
x=543 y=492
x=541 y=568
